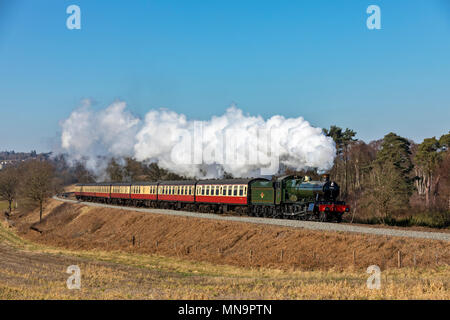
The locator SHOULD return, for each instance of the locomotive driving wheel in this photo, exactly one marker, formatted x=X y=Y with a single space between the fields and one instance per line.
x=323 y=217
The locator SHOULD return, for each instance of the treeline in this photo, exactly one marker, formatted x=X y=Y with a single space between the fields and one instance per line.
x=34 y=180
x=394 y=180
x=19 y=156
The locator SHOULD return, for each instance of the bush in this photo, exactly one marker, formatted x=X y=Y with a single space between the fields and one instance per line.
x=440 y=220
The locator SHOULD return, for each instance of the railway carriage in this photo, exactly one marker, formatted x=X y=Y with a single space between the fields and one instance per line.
x=176 y=194
x=224 y=195
x=120 y=193
x=93 y=191
x=144 y=193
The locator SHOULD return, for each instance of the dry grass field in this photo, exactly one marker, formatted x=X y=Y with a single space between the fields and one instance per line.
x=33 y=265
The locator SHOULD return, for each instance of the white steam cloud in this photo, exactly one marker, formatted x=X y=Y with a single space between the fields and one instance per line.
x=233 y=142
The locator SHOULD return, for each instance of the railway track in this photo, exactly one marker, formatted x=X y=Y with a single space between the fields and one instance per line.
x=324 y=226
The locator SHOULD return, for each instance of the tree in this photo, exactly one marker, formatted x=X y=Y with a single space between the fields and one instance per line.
x=442 y=186
x=133 y=170
x=386 y=190
x=427 y=159
x=115 y=171
x=9 y=184
x=81 y=174
x=342 y=139
x=38 y=184
x=396 y=150
x=444 y=141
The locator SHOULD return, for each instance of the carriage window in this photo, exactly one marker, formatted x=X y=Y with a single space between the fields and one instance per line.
x=207 y=190
x=235 y=190
x=245 y=191
x=221 y=191
x=229 y=190
x=217 y=190
x=241 y=191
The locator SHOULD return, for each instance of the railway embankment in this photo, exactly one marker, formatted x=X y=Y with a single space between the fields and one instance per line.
x=85 y=227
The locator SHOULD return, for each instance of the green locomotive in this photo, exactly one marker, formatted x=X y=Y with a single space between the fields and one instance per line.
x=297 y=197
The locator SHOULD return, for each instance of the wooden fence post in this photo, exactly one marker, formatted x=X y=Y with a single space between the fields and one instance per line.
x=399 y=259
x=354 y=257
x=281 y=256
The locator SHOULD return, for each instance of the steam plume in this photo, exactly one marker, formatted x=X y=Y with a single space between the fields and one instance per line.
x=195 y=148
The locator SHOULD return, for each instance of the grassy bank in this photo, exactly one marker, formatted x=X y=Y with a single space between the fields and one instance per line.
x=34 y=271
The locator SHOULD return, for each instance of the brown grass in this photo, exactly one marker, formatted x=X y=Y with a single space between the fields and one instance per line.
x=35 y=271
x=80 y=227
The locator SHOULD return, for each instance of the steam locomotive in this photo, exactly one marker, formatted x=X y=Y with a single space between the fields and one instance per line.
x=286 y=197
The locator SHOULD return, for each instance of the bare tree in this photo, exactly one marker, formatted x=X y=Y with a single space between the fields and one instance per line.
x=9 y=183
x=38 y=182
x=387 y=191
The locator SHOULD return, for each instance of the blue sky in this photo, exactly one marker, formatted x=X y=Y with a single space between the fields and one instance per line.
x=315 y=59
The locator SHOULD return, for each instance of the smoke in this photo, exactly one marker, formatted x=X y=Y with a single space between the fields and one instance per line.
x=239 y=144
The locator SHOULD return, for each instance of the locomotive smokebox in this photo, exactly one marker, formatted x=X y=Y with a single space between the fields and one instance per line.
x=331 y=190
